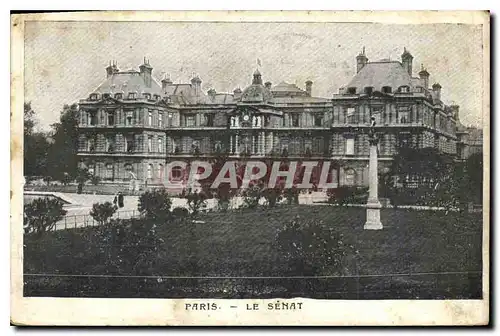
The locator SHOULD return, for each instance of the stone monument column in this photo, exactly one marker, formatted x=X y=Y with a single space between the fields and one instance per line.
x=373 y=205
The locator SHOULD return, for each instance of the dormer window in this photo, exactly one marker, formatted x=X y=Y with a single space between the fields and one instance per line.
x=404 y=89
x=156 y=97
x=147 y=96
x=132 y=95
x=118 y=95
x=351 y=90
x=386 y=89
x=94 y=96
x=105 y=95
x=369 y=90
x=419 y=89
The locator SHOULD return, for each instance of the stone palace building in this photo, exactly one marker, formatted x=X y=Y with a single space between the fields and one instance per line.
x=133 y=125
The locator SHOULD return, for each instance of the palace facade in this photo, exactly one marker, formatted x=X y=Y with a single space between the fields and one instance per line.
x=132 y=125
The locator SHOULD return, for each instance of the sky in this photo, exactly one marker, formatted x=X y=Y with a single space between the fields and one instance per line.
x=66 y=61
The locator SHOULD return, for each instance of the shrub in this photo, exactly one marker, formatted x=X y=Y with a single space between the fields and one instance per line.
x=95 y=180
x=42 y=214
x=196 y=201
x=252 y=196
x=223 y=194
x=292 y=195
x=348 y=195
x=311 y=248
x=180 y=212
x=102 y=212
x=155 y=204
x=272 y=196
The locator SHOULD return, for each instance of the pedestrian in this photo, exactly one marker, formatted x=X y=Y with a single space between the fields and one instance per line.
x=115 y=201
x=120 y=199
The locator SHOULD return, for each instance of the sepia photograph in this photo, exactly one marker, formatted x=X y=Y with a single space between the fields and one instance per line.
x=229 y=164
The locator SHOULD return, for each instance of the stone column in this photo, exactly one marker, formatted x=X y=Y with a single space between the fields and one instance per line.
x=373 y=205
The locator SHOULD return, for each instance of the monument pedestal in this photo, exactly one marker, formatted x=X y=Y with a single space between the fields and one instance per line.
x=373 y=205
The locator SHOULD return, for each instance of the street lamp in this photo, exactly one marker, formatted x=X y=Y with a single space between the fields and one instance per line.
x=373 y=204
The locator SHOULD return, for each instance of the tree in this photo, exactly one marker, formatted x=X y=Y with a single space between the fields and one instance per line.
x=36 y=145
x=155 y=204
x=42 y=214
x=62 y=156
x=102 y=212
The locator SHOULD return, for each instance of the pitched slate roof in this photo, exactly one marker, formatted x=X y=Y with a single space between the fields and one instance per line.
x=184 y=94
x=287 y=88
x=380 y=74
x=128 y=81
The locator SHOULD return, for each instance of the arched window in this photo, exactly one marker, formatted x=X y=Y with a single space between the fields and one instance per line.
x=132 y=95
x=147 y=96
x=94 y=96
x=129 y=170
x=176 y=173
x=404 y=89
x=349 y=177
x=118 y=95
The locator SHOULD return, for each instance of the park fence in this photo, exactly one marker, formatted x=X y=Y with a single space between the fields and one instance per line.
x=80 y=221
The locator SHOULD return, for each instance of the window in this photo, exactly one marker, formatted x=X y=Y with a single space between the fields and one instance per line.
x=105 y=95
x=318 y=120
x=176 y=173
x=150 y=171
x=129 y=144
x=386 y=89
x=111 y=118
x=110 y=144
x=132 y=95
x=404 y=141
x=351 y=90
x=404 y=89
x=419 y=89
x=129 y=171
x=91 y=144
x=349 y=146
x=91 y=169
x=349 y=176
x=150 y=118
x=146 y=96
x=92 y=118
x=156 y=97
x=377 y=113
x=94 y=96
x=190 y=121
x=160 y=145
x=160 y=119
x=295 y=119
x=150 y=144
x=129 y=118
x=209 y=120
x=351 y=115
x=109 y=171
x=118 y=95
x=369 y=90
x=403 y=114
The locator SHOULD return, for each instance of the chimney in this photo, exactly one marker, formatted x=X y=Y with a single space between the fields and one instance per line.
x=237 y=94
x=211 y=93
x=437 y=90
x=146 y=70
x=407 y=61
x=196 y=84
x=309 y=85
x=424 y=76
x=361 y=61
x=166 y=82
x=111 y=69
x=268 y=85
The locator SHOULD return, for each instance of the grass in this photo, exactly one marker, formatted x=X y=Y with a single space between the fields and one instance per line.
x=418 y=254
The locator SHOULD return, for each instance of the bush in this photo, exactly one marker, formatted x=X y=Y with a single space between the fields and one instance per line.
x=102 y=212
x=155 y=204
x=272 y=196
x=95 y=180
x=311 y=248
x=42 y=214
x=196 y=201
x=292 y=195
x=348 y=195
x=180 y=212
x=252 y=196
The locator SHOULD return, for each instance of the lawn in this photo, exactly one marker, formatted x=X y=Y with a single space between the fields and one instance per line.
x=418 y=254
